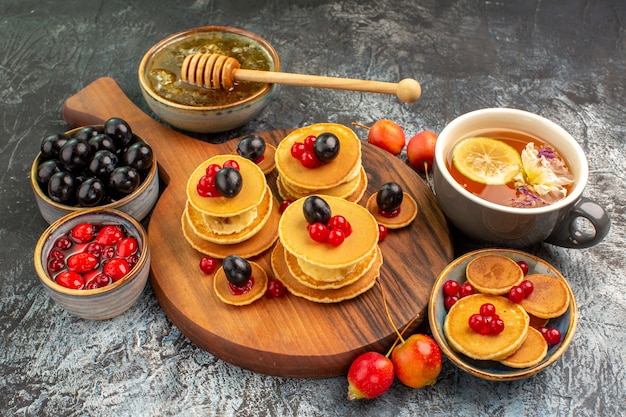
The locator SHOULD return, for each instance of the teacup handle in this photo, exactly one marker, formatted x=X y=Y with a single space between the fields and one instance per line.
x=567 y=234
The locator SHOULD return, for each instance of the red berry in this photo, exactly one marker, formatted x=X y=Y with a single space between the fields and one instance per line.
x=382 y=232
x=56 y=254
x=309 y=160
x=283 y=205
x=70 y=279
x=116 y=268
x=524 y=266
x=212 y=169
x=466 y=289
x=552 y=336
x=83 y=233
x=309 y=142
x=63 y=243
x=340 y=222
x=336 y=237
x=449 y=301
x=55 y=265
x=127 y=246
x=98 y=281
x=94 y=248
x=108 y=252
x=109 y=235
x=206 y=186
x=527 y=286
x=451 y=287
x=297 y=149
x=487 y=320
x=318 y=232
x=208 y=264
x=369 y=376
x=82 y=262
x=132 y=260
x=232 y=164
x=487 y=309
x=497 y=326
x=516 y=294
x=476 y=322
x=275 y=288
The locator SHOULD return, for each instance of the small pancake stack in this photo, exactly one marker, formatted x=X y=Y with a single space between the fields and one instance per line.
x=321 y=272
x=220 y=226
x=343 y=177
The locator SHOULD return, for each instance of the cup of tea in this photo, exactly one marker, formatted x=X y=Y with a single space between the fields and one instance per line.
x=508 y=207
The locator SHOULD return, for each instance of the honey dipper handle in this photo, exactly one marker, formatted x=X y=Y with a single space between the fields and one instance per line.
x=407 y=90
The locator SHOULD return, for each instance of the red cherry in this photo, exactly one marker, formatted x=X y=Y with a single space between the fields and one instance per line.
x=318 y=232
x=451 y=287
x=449 y=301
x=232 y=164
x=94 y=248
x=109 y=235
x=524 y=266
x=516 y=294
x=63 y=243
x=83 y=233
x=466 y=289
x=132 y=260
x=497 y=326
x=336 y=237
x=309 y=142
x=82 y=262
x=116 y=268
x=56 y=254
x=487 y=309
x=340 y=222
x=369 y=376
x=309 y=160
x=382 y=232
x=127 y=246
x=208 y=264
x=98 y=281
x=283 y=205
x=552 y=336
x=476 y=322
x=70 y=279
x=56 y=265
x=527 y=286
x=275 y=288
x=108 y=252
x=297 y=149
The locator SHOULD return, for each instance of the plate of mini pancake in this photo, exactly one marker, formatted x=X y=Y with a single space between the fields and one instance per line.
x=520 y=350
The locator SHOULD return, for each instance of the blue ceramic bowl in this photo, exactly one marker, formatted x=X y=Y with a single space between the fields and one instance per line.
x=493 y=370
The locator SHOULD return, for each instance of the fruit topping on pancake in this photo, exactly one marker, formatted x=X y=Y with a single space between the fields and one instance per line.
x=239 y=282
x=392 y=207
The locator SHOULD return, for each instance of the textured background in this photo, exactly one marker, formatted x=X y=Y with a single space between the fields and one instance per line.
x=563 y=60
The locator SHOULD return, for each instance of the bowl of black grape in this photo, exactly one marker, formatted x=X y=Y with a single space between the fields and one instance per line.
x=94 y=263
x=106 y=166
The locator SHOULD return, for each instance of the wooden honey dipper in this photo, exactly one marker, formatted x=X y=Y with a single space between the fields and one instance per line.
x=220 y=72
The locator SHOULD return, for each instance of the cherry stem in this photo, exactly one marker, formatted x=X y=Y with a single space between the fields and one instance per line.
x=426 y=171
x=361 y=125
x=400 y=338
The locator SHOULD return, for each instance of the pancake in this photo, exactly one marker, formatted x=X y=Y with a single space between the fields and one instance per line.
x=343 y=190
x=549 y=298
x=223 y=292
x=486 y=347
x=344 y=167
x=295 y=287
x=293 y=233
x=530 y=353
x=408 y=212
x=494 y=274
x=354 y=197
x=250 y=196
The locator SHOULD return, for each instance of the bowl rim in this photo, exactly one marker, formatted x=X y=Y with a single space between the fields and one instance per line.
x=145 y=86
x=458 y=359
x=43 y=276
x=72 y=209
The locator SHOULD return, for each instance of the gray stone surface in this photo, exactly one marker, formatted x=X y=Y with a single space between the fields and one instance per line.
x=563 y=60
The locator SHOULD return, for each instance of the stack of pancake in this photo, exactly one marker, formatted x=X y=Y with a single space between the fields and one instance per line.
x=244 y=224
x=321 y=272
x=342 y=177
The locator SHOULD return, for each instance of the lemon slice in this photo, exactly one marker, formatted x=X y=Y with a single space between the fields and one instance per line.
x=486 y=160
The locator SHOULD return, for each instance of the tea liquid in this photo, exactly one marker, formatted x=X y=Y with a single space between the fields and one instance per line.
x=499 y=194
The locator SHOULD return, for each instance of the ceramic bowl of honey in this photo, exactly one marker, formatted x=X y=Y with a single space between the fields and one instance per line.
x=200 y=109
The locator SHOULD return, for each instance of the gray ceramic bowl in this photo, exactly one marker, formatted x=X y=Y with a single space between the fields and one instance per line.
x=100 y=303
x=206 y=117
x=138 y=203
x=492 y=370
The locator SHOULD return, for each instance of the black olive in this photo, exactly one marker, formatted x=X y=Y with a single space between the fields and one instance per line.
x=101 y=142
x=228 y=181
x=124 y=180
x=86 y=133
x=316 y=210
x=62 y=187
x=91 y=192
x=238 y=271
x=389 y=197
x=51 y=145
x=251 y=147
x=75 y=155
x=46 y=169
x=119 y=131
x=102 y=164
x=326 y=147
x=139 y=156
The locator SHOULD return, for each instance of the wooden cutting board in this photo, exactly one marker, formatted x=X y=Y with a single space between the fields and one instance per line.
x=287 y=336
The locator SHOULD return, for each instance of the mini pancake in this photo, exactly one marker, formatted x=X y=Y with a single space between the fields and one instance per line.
x=293 y=233
x=549 y=298
x=530 y=353
x=250 y=196
x=222 y=290
x=267 y=162
x=339 y=170
x=354 y=197
x=255 y=245
x=486 y=347
x=408 y=212
x=204 y=231
x=494 y=274
x=362 y=285
x=342 y=191
x=348 y=278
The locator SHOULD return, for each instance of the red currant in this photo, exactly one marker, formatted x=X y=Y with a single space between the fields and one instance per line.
x=527 y=286
x=552 y=336
x=318 y=232
x=232 y=164
x=82 y=262
x=109 y=235
x=297 y=149
x=466 y=289
x=487 y=309
x=212 y=169
x=116 y=268
x=487 y=320
x=309 y=142
x=340 y=222
x=497 y=326
x=208 y=265
x=309 y=160
x=83 y=233
x=449 y=301
x=336 y=237
x=451 y=287
x=70 y=279
x=275 y=288
x=283 y=205
x=126 y=247
x=524 y=266
x=382 y=232
x=477 y=323
x=516 y=294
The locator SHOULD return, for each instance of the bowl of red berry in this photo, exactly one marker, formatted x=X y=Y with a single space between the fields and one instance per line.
x=94 y=263
x=106 y=166
x=502 y=314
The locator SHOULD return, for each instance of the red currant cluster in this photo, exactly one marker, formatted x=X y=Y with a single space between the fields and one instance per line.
x=551 y=334
x=517 y=293
x=453 y=291
x=220 y=181
x=486 y=322
x=334 y=232
x=91 y=256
